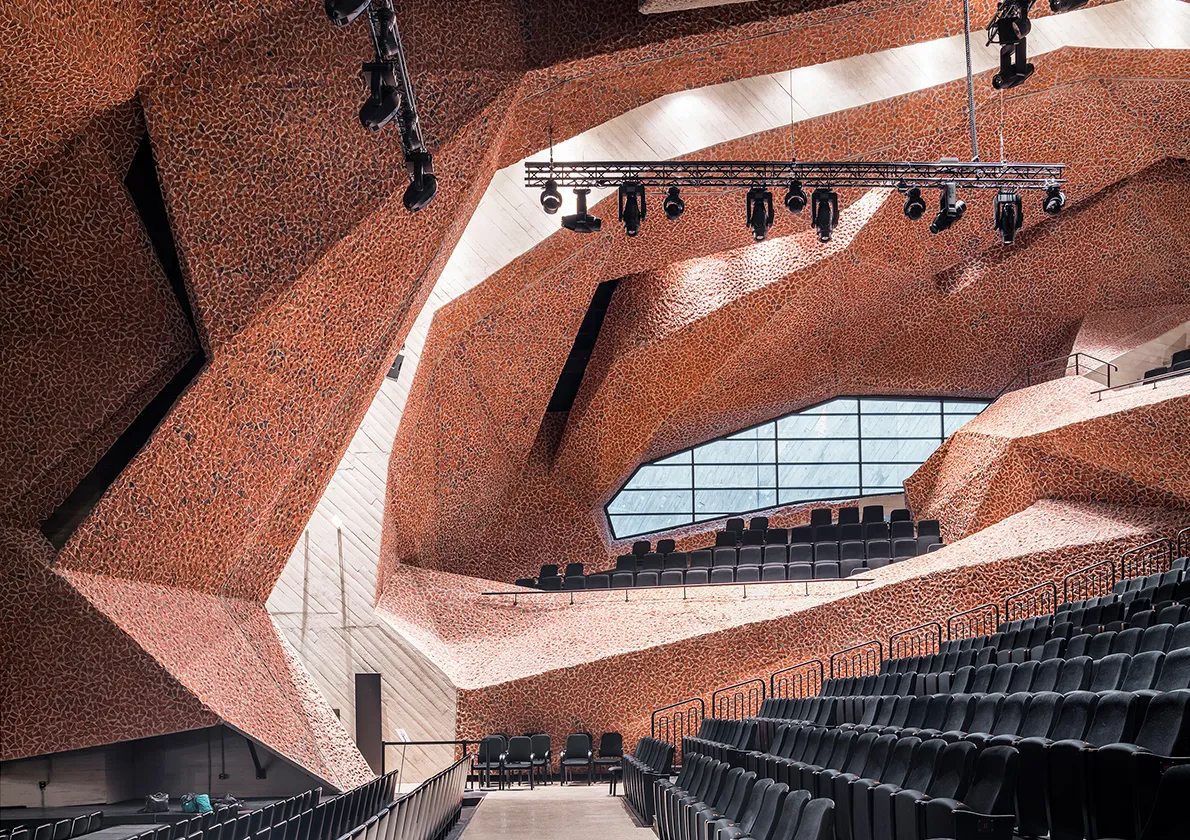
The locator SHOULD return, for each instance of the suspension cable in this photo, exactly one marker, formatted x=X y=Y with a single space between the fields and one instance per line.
x=970 y=79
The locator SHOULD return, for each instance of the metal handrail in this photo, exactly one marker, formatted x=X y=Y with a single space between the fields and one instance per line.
x=738 y=695
x=1027 y=372
x=1164 y=542
x=950 y=621
x=572 y=592
x=860 y=646
x=1182 y=542
x=791 y=668
x=896 y=637
x=1109 y=564
x=1151 y=380
x=1010 y=601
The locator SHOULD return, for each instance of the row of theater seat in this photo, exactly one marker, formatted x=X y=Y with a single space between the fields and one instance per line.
x=711 y=800
x=650 y=762
x=60 y=830
x=901 y=529
x=1179 y=362
x=288 y=819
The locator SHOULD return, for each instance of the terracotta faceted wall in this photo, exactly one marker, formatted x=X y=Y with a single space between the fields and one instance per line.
x=708 y=333
x=304 y=274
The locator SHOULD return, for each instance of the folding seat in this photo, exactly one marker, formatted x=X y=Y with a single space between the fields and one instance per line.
x=982 y=678
x=826 y=570
x=904 y=549
x=1125 y=774
x=901 y=530
x=802 y=534
x=758 y=523
x=759 y=817
x=879 y=549
x=960 y=683
x=626 y=563
x=78 y=826
x=548 y=570
x=951 y=780
x=641 y=547
x=1002 y=678
x=551 y=583
x=987 y=805
x=1175 y=671
x=1061 y=629
x=726 y=539
x=775 y=554
x=1174 y=614
x=1126 y=641
x=1152 y=638
x=747 y=574
x=1107 y=673
x=650 y=578
x=873 y=513
x=1022 y=677
x=651 y=562
x=672 y=577
x=776 y=536
x=1157 y=371
x=943 y=712
x=734 y=524
x=1079 y=645
x=1116 y=720
x=985 y=656
x=675 y=560
x=1142 y=619
x=530 y=583
x=750 y=555
x=731 y=800
x=876 y=531
x=772 y=571
x=723 y=574
x=927 y=544
x=799 y=571
x=852 y=550
x=1100 y=645
x=724 y=557
x=847 y=568
x=752 y=537
x=837 y=758
x=788 y=770
x=1046 y=677
x=599 y=581
x=573 y=569
x=1111 y=613
x=1143 y=672
x=963 y=659
x=983 y=718
x=623 y=580
x=801 y=553
x=851 y=533
x=848 y=515
x=571 y=583
x=700 y=559
x=842 y=784
x=826 y=533
x=929 y=528
x=820 y=516
x=911 y=760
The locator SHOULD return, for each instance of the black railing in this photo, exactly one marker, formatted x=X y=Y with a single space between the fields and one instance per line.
x=1034 y=601
x=738 y=701
x=977 y=621
x=1030 y=374
x=1182 y=541
x=922 y=640
x=685 y=587
x=401 y=768
x=673 y=722
x=1089 y=582
x=1148 y=559
x=1148 y=380
x=858 y=660
x=801 y=680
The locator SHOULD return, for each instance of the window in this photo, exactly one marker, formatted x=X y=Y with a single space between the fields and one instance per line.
x=841 y=449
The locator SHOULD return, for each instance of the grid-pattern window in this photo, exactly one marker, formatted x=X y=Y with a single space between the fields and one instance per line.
x=845 y=448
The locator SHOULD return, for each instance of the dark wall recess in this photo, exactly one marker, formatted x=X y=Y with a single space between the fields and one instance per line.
x=580 y=353
x=145 y=190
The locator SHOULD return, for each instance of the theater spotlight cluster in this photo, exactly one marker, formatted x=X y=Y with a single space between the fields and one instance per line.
x=390 y=92
x=1009 y=28
x=949 y=176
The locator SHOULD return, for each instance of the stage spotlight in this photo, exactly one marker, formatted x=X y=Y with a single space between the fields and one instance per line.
x=1055 y=200
x=632 y=207
x=1066 y=5
x=423 y=185
x=1008 y=28
x=824 y=212
x=551 y=199
x=950 y=209
x=581 y=221
x=388 y=40
x=1009 y=216
x=673 y=204
x=384 y=100
x=795 y=198
x=759 y=204
x=343 y=12
x=915 y=205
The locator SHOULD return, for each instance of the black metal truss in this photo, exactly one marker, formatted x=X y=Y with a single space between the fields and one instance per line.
x=775 y=173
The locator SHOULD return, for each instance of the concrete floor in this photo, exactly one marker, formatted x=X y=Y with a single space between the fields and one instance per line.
x=554 y=811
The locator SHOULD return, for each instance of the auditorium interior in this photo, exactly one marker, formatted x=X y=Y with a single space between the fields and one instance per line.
x=656 y=419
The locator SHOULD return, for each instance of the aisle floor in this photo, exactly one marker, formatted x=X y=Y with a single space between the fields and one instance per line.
x=575 y=812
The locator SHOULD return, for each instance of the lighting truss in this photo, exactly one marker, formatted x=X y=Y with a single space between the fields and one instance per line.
x=773 y=173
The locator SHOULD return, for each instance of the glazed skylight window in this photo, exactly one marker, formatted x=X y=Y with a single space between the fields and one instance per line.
x=845 y=448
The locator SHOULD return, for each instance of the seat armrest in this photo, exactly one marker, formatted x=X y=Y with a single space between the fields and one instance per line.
x=968 y=825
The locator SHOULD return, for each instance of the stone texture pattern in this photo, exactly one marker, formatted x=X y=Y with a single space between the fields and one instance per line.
x=707 y=333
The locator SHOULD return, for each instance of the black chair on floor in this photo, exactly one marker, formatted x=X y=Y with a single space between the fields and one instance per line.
x=542 y=756
x=665 y=546
x=487 y=758
x=518 y=758
x=611 y=751
x=576 y=756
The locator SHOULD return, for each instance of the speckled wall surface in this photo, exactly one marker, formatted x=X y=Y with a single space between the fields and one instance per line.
x=304 y=274
x=699 y=340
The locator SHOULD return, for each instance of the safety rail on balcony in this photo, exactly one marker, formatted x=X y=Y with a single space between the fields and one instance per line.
x=1030 y=374
x=1148 y=380
x=693 y=587
x=858 y=660
x=1148 y=559
x=425 y=813
x=1182 y=542
x=922 y=640
x=977 y=621
x=801 y=680
x=677 y=720
x=1034 y=601
x=1089 y=582
x=740 y=700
